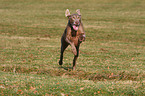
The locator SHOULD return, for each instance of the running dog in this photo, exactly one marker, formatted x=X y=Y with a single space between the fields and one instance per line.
x=73 y=35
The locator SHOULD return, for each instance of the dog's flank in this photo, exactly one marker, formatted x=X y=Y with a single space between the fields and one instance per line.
x=73 y=35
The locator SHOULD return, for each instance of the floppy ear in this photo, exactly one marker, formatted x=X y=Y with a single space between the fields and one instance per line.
x=78 y=11
x=67 y=13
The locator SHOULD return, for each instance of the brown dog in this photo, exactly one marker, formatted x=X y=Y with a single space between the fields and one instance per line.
x=73 y=35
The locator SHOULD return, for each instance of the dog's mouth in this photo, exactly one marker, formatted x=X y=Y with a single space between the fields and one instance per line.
x=75 y=27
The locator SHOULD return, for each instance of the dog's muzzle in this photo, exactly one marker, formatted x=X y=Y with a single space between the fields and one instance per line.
x=75 y=26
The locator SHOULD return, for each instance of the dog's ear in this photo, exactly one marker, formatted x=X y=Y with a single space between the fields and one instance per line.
x=78 y=11
x=67 y=13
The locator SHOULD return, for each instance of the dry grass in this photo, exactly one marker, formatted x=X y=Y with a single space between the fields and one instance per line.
x=111 y=60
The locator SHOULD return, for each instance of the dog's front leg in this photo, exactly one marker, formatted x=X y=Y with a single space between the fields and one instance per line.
x=74 y=49
x=72 y=46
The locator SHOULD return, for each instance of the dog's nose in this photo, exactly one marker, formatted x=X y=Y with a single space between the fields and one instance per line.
x=77 y=23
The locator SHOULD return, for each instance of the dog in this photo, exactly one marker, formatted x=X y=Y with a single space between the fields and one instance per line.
x=73 y=35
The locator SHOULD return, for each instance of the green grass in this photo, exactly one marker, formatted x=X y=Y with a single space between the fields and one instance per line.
x=111 y=61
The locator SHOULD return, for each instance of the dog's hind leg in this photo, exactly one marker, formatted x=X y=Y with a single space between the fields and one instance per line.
x=63 y=47
x=75 y=57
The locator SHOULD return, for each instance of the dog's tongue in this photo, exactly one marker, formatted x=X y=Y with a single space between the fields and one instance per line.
x=75 y=27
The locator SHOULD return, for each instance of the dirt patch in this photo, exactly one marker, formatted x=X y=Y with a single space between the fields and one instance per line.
x=67 y=72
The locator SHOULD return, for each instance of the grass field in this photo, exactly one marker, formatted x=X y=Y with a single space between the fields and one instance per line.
x=111 y=60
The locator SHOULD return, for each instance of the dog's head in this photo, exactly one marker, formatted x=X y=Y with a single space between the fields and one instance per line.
x=74 y=19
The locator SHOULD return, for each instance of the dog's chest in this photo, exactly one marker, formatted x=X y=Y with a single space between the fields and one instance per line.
x=74 y=33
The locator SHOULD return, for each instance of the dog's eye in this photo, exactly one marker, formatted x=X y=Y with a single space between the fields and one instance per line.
x=73 y=17
x=78 y=17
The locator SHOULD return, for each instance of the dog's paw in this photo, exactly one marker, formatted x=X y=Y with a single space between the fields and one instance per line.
x=60 y=62
x=82 y=38
x=74 y=68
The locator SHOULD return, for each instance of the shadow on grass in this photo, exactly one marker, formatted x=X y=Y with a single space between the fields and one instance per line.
x=66 y=68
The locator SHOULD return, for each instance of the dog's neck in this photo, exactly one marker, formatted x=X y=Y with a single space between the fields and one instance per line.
x=73 y=32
